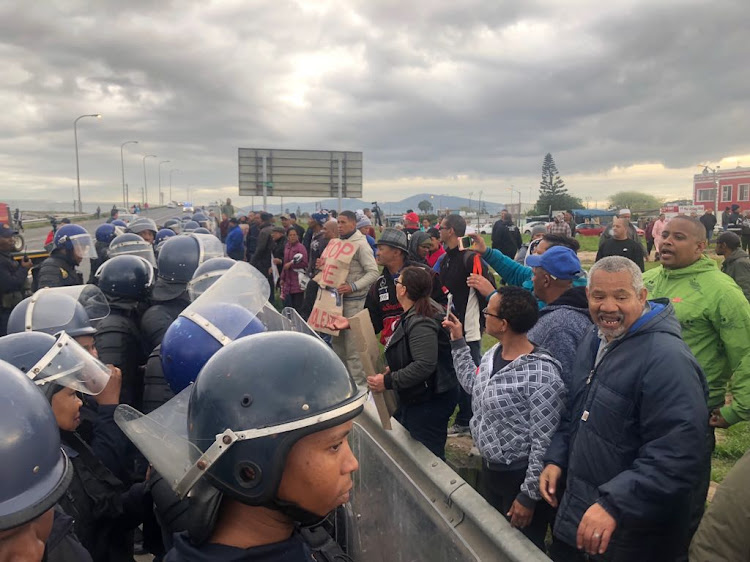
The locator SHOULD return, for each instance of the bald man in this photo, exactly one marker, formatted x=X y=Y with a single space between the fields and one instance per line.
x=715 y=319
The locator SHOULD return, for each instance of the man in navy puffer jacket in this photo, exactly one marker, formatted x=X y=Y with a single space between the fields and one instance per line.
x=633 y=439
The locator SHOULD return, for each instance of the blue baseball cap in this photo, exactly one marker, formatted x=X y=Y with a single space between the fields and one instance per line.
x=559 y=261
x=6 y=231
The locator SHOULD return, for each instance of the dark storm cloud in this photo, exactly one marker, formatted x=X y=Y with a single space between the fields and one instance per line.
x=431 y=88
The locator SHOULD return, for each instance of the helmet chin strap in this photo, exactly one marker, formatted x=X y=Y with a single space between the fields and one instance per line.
x=296 y=513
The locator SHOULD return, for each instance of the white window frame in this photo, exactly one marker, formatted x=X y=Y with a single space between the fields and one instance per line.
x=705 y=196
x=746 y=188
x=725 y=199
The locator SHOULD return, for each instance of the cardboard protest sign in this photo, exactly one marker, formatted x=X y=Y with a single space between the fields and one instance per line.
x=337 y=255
x=366 y=342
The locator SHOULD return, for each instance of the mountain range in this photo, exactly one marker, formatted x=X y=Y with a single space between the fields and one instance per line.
x=389 y=207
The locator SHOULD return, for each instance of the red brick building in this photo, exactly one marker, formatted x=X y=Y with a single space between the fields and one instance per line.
x=734 y=187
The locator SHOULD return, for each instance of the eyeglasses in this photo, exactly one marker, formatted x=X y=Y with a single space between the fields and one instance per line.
x=398 y=282
x=486 y=312
x=441 y=227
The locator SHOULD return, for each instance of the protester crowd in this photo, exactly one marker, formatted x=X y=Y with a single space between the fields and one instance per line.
x=594 y=410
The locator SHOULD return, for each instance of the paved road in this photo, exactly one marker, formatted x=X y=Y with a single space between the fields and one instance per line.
x=35 y=237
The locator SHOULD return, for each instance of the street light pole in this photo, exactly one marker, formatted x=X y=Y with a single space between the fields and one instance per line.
x=78 y=172
x=170 y=182
x=145 y=183
x=122 y=165
x=160 y=163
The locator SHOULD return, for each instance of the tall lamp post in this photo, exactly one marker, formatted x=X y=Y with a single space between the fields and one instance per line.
x=170 y=182
x=145 y=183
x=160 y=195
x=514 y=190
x=122 y=165
x=78 y=172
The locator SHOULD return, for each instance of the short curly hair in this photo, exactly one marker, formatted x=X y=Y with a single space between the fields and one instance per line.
x=518 y=307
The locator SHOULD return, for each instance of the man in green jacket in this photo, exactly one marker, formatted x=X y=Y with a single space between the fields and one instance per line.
x=736 y=261
x=715 y=320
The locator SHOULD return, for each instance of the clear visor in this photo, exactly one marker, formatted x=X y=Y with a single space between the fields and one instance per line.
x=142 y=249
x=162 y=437
x=242 y=285
x=83 y=247
x=49 y=310
x=199 y=285
x=68 y=364
x=210 y=247
x=90 y=297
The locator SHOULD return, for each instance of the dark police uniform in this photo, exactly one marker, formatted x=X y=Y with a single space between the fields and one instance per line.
x=12 y=278
x=58 y=271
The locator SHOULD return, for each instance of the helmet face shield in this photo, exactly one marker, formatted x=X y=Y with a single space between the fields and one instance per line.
x=50 y=310
x=68 y=364
x=83 y=246
x=139 y=248
x=90 y=297
x=210 y=247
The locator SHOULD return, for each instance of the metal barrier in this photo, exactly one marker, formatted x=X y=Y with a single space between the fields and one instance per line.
x=408 y=505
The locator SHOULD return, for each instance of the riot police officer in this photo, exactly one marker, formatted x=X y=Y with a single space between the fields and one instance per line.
x=105 y=511
x=35 y=475
x=12 y=276
x=71 y=245
x=104 y=235
x=276 y=463
x=179 y=257
x=134 y=245
x=145 y=228
x=125 y=280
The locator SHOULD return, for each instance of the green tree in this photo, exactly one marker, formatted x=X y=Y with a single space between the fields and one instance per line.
x=553 y=195
x=635 y=201
x=425 y=206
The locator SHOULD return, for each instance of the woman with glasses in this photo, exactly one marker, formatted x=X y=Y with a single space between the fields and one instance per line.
x=517 y=396
x=420 y=368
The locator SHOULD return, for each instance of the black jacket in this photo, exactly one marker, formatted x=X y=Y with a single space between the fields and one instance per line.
x=506 y=237
x=709 y=221
x=624 y=248
x=293 y=549
x=419 y=357
x=104 y=511
x=58 y=271
x=119 y=342
x=261 y=257
x=63 y=544
x=159 y=317
x=251 y=240
x=383 y=306
x=634 y=435
x=12 y=279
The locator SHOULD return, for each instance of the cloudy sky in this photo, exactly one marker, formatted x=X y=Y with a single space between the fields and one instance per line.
x=441 y=96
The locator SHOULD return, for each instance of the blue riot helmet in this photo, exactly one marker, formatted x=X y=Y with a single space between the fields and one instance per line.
x=53 y=362
x=119 y=222
x=75 y=241
x=238 y=422
x=127 y=277
x=186 y=218
x=76 y=310
x=107 y=232
x=191 y=340
x=207 y=274
x=179 y=257
x=200 y=218
x=162 y=235
x=36 y=472
x=132 y=244
x=175 y=225
x=201 y=230
x=190 y=226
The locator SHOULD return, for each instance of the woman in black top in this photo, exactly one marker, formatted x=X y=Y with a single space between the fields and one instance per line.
x=420 y=368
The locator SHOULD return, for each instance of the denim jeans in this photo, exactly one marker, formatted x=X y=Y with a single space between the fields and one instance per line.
x=464 y=398
x=428 y=422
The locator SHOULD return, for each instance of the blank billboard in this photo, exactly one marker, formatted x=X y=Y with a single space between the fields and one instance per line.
x=299 y=173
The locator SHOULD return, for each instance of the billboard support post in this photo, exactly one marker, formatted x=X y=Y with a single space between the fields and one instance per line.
x=341 y=182
x=265 y=185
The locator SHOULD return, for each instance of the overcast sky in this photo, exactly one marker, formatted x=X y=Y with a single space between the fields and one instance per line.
x=441 y=96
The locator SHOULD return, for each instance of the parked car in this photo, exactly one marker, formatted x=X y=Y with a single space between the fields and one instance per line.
x=127 y=217
x=530 y=225
x=486 y=228
x=589 y=229
x=640 y=231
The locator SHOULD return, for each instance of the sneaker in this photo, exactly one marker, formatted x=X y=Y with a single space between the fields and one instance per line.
x=457 y=430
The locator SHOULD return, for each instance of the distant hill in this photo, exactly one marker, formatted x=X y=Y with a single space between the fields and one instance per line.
x=389 y=207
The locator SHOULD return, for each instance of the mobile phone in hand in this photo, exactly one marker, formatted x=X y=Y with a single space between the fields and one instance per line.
x=465 y=242
x=449 y=306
